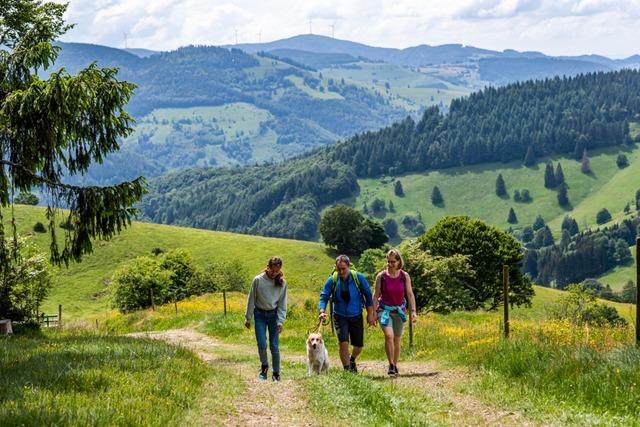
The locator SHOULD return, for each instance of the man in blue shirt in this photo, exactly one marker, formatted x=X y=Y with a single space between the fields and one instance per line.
x=347 y=310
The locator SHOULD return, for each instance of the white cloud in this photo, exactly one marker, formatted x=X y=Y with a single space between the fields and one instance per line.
x=551 y=26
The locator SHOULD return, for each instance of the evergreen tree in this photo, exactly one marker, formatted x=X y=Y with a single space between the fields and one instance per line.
x=584 y=165
x=392 y=208
x=579 y=148
x=530 y=157
x=566 y=238
x=543 y=237
x=622 y=161
x=563 y=198
x=627 y=208
x=538 y=223
x=512 y=218
x=397 y=189
x=527 y=234
x=549 y=176
x=638 y=200
x=365 y=209
x=516 y=196
x=390 y=227
x=603 y=216
x=436 y=196
x=501 y=188
x=526 y=196
x=559 y=175
x=55 y=123
x=570 y=224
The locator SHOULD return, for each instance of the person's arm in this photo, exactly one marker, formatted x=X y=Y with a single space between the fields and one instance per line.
x=377 y=291
x=251 y=301
x=282 y=306
x=411 y=297
x=368 y=300
x=324 y=297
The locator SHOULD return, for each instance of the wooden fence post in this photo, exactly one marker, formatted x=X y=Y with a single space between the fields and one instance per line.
x=637 y=291
x=59 y=315
x=410 y=330
x=224 y=300
x=175 y=304
x=505 y=298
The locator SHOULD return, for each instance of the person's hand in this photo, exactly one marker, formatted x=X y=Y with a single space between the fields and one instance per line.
x=322 y=316
x=371 y=320
x=247 y=324
x=279 y=329
x=414 y=316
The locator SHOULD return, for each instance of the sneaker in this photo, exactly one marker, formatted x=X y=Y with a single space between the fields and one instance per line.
x=263 y=373
x=395 y=368
x=392 y=371
x=276 y=376
x=352 y=367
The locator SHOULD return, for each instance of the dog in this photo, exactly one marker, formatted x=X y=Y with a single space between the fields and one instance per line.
x=317 y=354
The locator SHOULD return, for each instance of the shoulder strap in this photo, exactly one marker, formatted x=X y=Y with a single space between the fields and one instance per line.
x=356 y=280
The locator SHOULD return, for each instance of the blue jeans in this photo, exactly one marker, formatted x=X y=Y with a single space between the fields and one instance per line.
x=267 y=320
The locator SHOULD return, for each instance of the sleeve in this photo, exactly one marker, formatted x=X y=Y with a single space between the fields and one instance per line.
x=325 y=294
x=282 y=304
x=251 y=300
x=366 y=290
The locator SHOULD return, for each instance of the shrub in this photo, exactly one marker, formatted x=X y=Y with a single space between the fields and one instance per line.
x=39 y=227
x=622 y=161
x=26 y=199
x=580 y=306
x=603 y=216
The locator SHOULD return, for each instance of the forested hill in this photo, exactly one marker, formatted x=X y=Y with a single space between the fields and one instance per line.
x=211 y=106
x=560 y=115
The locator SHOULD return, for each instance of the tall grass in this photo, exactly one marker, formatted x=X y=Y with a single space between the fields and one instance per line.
x=70 y=379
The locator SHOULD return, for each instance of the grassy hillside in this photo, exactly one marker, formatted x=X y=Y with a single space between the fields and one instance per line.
x=471 y=191
x=83 y=288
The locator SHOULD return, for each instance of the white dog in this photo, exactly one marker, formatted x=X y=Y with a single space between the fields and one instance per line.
x=317 y=354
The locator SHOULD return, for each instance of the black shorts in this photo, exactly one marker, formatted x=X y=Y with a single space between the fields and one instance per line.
x=350 y=327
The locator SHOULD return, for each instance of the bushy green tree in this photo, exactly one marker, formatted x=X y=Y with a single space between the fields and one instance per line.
x=371 y=262
x=390 y=227
x=488 y=249
x=349 y=232
x=516 y=196
x=579 y=305
x=378 y=206
x=440 y=284
x=138 y=281
x=622 y=161
x=603 y=216
x=26 y=198
x=26 y=282
x=526 y=196
x=629 y=292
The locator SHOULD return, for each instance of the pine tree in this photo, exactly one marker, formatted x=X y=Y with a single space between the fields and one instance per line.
x=603 y=216
x=566 y=238
x=563 y=198
x=59 y=123
x=584 y=167
x=436 y=196
x=622 y=161
x=571 y=225
x=516 y=196
x=526 y=196
x=392 y=208
x=549 y=176
x=579 y=147
x=512 y=218
x=501 y=188
x=538 y=223
x=530 y=157
x=638 y=200
x=559 y=175
x=397 y=189
x=527 y=234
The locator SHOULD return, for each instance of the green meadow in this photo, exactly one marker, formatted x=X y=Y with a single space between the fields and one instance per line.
x=470 y=190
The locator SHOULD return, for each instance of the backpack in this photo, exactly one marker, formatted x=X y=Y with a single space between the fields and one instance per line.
x=334 y=275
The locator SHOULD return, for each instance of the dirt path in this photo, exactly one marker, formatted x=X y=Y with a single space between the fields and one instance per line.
x=266 y=404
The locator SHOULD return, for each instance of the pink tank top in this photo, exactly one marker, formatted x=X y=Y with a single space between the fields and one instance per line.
x=392 y=292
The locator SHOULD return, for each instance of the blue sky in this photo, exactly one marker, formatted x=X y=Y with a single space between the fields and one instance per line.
x=558 y=27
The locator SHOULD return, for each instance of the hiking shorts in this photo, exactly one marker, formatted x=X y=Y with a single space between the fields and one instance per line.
x=350 y=327
x=395 y=322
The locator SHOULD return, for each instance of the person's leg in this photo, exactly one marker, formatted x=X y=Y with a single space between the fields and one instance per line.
x=342 y=330
x=261 y=340
x=389 y=342
x=398 y=327
x=272 y=324
x=396 y=349
x=356 y=332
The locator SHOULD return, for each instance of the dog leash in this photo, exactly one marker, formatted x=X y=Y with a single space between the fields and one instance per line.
x=318 y=326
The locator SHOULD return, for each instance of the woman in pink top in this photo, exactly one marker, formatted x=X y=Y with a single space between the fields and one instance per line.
x=393 y=290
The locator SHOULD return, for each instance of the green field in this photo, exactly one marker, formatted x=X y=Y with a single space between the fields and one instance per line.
x=83 y=289
x=471 y=191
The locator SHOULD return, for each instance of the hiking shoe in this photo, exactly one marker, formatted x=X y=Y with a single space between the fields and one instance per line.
x=395 y=368
x=352 y=367
x=276 y=377
x=263 y=373
x=392 y=371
